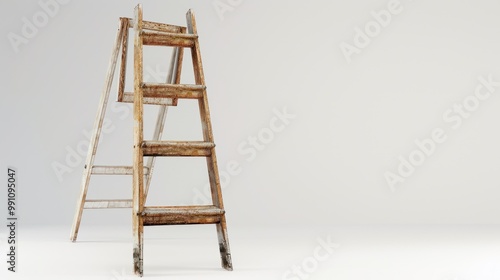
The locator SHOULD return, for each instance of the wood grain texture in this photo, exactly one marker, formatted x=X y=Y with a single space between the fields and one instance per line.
x=138 y=176
x=123 y=63
x=178 y=65
x=177 y=148
x=152 y=90
x=169 y=39
x=178 y=215
x=157 y=26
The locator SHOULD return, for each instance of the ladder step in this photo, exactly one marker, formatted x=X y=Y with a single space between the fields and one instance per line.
x=154 y=90
x=103 y=203
x=177 y=148
x=128 y=97
x=168 y=39
x=115 y=170
x=156 y=26
x=176 y=215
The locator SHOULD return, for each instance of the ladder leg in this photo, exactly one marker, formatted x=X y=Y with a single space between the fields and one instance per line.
x=225 y=253
x=173 y=77
x=138 y=164
x=122 y=29
x=216 y=192
x=213 y=172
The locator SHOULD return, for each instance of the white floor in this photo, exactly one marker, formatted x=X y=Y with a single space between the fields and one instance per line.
x=191 y=252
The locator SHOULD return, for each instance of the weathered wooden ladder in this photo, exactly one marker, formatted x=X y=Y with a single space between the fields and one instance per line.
x=162 y=94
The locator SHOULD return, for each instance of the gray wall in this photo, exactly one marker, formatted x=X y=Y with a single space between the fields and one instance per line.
x=357 y=103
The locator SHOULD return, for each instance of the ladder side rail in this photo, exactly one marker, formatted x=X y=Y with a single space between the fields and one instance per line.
x=138 y=164
x=213 y=172
x=97 y=129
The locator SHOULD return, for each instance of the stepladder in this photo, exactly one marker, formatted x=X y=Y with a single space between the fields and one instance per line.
x=145 y=151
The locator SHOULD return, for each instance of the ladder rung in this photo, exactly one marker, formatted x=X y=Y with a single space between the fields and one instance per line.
x=177 y=148
x=156 y=26
x=175 y=215
x=115 y=170
x=102 y=203
x=151 y=90
x=128 y=97
x=168 y=39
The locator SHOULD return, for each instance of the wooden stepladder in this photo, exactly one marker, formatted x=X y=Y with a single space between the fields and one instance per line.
x=164 y=95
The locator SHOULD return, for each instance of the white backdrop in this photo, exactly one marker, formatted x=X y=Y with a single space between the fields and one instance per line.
x=315 y=104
